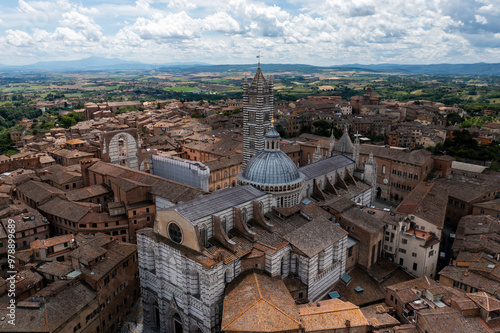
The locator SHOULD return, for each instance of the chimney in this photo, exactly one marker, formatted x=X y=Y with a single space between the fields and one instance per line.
x=347 y=323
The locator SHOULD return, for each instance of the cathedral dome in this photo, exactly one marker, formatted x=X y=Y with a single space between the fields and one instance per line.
x=271 y=168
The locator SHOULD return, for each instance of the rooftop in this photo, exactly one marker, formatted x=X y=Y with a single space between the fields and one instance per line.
x=322 y=167
x=255 y=302
x=217 y=201
x=331 y=314
x=416 y=157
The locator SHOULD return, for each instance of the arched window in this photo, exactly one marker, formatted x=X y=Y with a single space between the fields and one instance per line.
x=217 y=176
x=196 y=284
x=233 y=171
x=225 y=174
x=156 y=314
x=152 y=266
x=203 y=234
x=224 y=223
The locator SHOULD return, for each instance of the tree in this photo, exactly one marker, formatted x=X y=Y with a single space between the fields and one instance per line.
x=70 y=119
x=322 y=127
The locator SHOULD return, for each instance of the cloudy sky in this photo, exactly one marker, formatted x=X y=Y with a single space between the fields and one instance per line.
x=317 y=32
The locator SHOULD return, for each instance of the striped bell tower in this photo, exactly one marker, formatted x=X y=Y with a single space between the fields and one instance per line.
x=258 y=107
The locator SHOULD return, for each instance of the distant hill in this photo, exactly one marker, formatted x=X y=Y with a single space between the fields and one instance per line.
x=91 y=64
x=115 y=64
x=464 y=69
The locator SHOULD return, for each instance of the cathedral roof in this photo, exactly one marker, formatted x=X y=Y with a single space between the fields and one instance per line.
x=216 y=202
x=322 y=167
x=345 y=144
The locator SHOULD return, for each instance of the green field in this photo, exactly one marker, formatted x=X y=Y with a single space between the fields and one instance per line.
x=181 y=89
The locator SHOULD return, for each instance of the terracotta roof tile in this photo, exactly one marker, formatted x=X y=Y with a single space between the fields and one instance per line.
x=256 y=302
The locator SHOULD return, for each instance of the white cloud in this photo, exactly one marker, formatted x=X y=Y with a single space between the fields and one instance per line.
x=84 y=23
x=317 y=31
x=181 y=5
x=68 y=36
x=17 y=38
x=221 y=22
x=24 y=7
x=481 y=19
x=160 y=27
x=144 y=4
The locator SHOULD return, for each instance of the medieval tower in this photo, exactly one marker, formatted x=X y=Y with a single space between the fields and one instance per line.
x=258 y=102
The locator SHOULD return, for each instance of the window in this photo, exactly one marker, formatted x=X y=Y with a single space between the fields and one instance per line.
x=414 y=254
x=431 y=253
x=401 y=261
x=383 y=169
x=147 y=210
x=135 y=212
x=106 y=280
x=456 y=284
x=175 y=233
x=392 y=298
x=349 y=252
x=415 y=266
x=404 y=241
x=402 y=250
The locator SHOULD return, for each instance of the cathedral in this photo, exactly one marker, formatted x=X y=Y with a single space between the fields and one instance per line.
x=272 y=223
